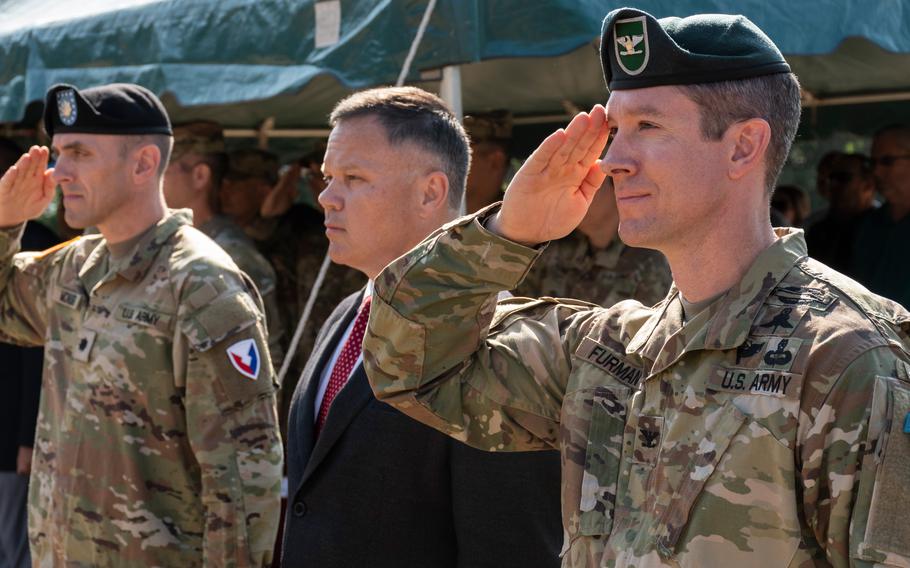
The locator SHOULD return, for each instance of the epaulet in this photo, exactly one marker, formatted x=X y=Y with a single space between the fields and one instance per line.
x=55 y=248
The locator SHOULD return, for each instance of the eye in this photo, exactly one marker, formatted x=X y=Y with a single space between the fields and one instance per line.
x=350 y=178
x=327 y=179
x=644 y=125
x=612 y=135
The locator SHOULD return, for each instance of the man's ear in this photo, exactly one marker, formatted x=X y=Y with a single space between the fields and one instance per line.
x=148 y=158
x=202 y=176
x=748 y=142
x=434 y=193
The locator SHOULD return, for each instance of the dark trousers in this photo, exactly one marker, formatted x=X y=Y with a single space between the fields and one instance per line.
x=13 y=521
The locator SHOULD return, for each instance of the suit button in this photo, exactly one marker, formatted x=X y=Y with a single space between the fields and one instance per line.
x=299 y=509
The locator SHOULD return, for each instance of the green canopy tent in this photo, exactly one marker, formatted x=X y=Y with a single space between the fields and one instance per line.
x=284 y=63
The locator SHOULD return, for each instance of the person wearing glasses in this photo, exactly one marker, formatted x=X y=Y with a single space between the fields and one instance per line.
x=881 y=253
x=851 y=194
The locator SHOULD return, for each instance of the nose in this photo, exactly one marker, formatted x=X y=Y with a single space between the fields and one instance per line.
x=62 y=173
x=618 y=161
x=329 y=197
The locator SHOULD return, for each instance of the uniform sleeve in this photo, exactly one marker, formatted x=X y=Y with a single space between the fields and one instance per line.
x=431 y=352
x=32 y=359
x=855 y=458
x=232 y=423
x=23 y=278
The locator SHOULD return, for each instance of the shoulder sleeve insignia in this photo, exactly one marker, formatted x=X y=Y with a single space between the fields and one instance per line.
x=244 y=356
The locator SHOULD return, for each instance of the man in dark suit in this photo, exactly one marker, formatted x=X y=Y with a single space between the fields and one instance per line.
x=367 y=485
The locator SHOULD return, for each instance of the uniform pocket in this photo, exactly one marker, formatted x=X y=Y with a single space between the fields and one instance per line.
x=602 y=460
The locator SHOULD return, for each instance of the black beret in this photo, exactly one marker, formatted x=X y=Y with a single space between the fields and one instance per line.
x=119 y=108
x=637 y=50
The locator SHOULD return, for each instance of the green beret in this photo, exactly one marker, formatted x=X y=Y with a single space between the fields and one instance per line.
x=637 y=50
x=203 y=137
x=252 y=163
x=119 y=108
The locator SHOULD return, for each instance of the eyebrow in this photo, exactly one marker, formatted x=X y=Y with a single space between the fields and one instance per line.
x=77 y=145
x=648 y=110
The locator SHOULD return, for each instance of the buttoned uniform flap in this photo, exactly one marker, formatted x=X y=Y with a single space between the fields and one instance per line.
x=603 y=459
x=881 y=532
x=220 y=318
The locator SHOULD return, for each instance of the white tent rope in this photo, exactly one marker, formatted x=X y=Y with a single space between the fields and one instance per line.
x=406 y=68
x=317 y=285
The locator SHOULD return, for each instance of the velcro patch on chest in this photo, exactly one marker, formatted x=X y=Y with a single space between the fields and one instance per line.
x=69 y=298
x=616 y=365
x=142 y=315
x=815 y=298
x=768 y=382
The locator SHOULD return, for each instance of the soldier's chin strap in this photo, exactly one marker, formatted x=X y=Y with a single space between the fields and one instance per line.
x=304 y=318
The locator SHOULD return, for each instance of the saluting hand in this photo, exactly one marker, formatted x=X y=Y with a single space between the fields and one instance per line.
x=550 y=194
x=26 y=188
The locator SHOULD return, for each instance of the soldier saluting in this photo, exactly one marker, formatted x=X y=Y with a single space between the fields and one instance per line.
x=157 y=440
x=768 y=425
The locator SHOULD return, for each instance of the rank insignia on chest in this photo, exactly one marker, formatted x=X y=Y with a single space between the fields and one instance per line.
x=83 y=348
x=244 y=356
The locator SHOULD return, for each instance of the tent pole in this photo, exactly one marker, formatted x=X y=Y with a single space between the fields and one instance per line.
x=450 y=89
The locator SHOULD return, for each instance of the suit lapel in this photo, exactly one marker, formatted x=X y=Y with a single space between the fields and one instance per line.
x=348 y=403
x=304 y=428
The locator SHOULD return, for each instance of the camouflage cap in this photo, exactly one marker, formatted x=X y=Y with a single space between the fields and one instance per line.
x=638 y=51
x=203 y=137
x=252 y=163
x=496 y=125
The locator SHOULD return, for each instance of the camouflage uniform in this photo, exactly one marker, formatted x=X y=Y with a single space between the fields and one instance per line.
x=763 y=431
x=243 y=252
x=572 y=268
x=152 y=449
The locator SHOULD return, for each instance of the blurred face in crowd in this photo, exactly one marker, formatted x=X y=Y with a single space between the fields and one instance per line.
x=656 y=136
x=93 y=171
x=489 y=163
x=891 y=159
x=850 y=189
x=241 y=198
x=181 y=181
x=374 y=200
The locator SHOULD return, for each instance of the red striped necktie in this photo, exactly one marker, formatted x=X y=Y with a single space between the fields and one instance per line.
x=348 y=357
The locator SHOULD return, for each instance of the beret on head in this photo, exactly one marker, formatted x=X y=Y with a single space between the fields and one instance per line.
x=119 y=108
x=201 y=137
x=638 y=51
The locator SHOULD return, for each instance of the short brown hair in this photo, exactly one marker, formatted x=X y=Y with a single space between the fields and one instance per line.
x=774 y=98
x=409 y=114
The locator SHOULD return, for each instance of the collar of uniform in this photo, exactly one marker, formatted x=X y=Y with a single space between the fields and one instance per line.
x=214 y=226
x=732 y=315
x=740 y=305
x=608 y=257
x=134 y=265
x=98 y=266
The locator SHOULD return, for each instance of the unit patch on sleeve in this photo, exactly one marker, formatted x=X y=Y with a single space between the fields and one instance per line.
x=244 y=356
x=616 y=365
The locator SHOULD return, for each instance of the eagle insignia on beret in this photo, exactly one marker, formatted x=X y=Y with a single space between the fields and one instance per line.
x=66 y=106
x=632 y=36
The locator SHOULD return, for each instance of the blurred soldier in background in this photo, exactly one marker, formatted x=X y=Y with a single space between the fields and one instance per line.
x=192 y=180
x=594 y=265
x=491 y=140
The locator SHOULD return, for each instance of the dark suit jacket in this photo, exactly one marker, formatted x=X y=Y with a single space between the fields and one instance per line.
x=379 y=489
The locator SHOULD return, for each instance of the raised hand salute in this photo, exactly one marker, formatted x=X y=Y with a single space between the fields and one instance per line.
x=26 y=188
x=552 y=191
